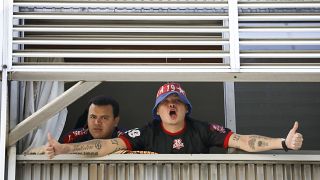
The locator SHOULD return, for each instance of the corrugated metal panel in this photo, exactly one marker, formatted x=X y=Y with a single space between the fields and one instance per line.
x=221 y=171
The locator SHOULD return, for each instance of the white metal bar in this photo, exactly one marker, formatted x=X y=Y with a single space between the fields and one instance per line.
x=120 y=42
x=279 y=18
x=7 y=33
x=230 y=109
x=12 y=162
x=123 y=5
x=4 y=121
x=280 y=29
x=122 y=29
x=279 y=5
x=2 y=44
x=176 y=157
x=234 y=36
x=49 y=110
x=216 y=75
x=88 y=54
x=119 y=17
x=280 y=42
x=280 y=55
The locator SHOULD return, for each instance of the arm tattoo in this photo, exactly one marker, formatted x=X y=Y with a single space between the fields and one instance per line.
x=89 y=149
x=236 y=137
x=114 y=141
x=117 y=148
x=98 y=145
x=251 y=142
x=261 y=141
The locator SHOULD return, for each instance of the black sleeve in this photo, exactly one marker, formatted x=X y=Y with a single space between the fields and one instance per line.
x=218 y=135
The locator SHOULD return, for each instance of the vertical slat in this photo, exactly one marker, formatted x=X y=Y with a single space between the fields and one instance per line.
x=232 y=170
x=74 y=172
x=27 y=174
x=204 y=171
x=260 y=172
x=269 y=172
x=195 y=173
x=288 y=172
x=213 y=171
x=111 y=172
x=65 y=171
x=307 y=172
x=185 y=171
x=241 y=172
x=139 y=171
x=131 y=171
x=157 y=172
x=297 y=171
x=101 y=173
x=316 y=171
x=93 y=170
x=121 y=171
x=279 y=172
x=84 y=171
x=251 y=172
x=47 y=171
x=55 y=175
x=176 y=171
x=148 y=171
x=36 y=171
x=223 y=171
x=19 y=171
x=167 y=171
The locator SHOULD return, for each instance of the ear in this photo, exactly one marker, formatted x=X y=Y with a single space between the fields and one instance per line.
x=117 y=119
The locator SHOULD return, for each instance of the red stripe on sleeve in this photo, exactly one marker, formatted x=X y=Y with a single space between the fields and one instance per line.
x=226 y=140
x=126 y=141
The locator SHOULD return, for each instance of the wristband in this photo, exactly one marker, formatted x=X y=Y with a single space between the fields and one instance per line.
x=284 y=146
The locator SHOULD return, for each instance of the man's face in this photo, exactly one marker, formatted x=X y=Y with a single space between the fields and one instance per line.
x=172 y=110
x=101 y=121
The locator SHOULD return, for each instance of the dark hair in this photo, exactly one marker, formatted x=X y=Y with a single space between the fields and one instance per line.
x=105 y=100
x=100 y=100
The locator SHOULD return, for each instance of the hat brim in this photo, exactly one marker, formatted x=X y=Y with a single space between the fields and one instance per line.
x=162 y=97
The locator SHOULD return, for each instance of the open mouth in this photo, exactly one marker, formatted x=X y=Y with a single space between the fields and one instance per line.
x=173 y=114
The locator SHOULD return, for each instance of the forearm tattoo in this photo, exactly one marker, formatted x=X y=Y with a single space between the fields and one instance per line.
x=251 y=143
x=258 y=141
x=88 y=149
x=236 y=138
x=117 y=148
x=114 y=141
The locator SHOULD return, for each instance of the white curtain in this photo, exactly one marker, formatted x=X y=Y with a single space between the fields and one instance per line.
x=27 y=98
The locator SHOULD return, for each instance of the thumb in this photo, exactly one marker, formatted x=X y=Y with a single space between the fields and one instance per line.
x=50 y=139
x=295 y=127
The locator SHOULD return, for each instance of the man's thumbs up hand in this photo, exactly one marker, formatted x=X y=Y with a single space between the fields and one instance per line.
x=294 y=139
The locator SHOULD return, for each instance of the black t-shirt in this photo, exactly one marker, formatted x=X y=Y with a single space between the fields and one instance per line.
x=83 y=134
x=196 y=137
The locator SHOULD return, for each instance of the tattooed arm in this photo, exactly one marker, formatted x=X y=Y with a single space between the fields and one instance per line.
x=96 y=147
x=256 y=143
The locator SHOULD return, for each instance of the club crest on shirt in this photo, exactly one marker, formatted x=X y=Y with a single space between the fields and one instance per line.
x=133 y=132
x=177 y=144
x=216 y=127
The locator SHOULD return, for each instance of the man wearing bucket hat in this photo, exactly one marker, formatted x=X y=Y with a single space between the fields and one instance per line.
x=174 y=131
